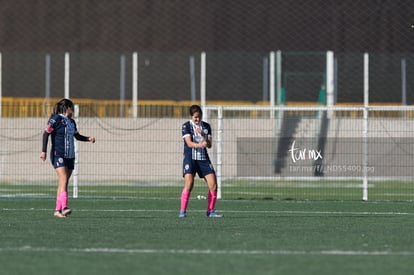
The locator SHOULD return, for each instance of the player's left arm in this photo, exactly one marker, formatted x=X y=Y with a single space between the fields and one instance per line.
x=84 y=138
x=208 y=140
x=207 y=136
x=81 y=137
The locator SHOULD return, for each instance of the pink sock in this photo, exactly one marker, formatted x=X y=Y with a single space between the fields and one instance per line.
x=211 y=200
x=185 y=197
x=64 y=199
x=58 y=204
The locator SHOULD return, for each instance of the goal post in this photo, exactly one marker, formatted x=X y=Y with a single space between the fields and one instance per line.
x=351 y=158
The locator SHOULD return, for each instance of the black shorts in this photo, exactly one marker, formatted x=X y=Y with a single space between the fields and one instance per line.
x=201 y=167
x=63 y=162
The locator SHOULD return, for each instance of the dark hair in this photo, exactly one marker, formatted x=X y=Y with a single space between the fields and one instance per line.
x=195 y=109
x=61 y=106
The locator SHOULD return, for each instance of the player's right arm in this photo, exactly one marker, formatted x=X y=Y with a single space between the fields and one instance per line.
x=49 y=129
x=193 y=144
x=44 y=145
x=186 y=134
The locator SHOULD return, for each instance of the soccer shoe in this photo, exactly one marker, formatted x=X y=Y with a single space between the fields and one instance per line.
x=58 y=214
x=66 y=211
x=214 y=214
x=182 y=214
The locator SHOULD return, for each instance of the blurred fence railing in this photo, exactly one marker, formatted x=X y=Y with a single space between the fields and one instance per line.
x=41 y=107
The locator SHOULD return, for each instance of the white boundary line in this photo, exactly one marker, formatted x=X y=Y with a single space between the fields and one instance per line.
x=365 y=213
x=103 y=250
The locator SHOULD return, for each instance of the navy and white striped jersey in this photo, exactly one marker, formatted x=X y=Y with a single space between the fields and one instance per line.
x=188 y=129
x=62 y=130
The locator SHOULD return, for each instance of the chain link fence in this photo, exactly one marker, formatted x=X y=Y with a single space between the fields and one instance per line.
x=85 y=50
x=169 y=36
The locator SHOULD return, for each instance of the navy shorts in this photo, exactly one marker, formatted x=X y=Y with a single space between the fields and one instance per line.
x=63 y=162
x=201 y=167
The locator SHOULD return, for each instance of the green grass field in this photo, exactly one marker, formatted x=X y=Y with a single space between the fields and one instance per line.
x=320 y=189
x=145 y=236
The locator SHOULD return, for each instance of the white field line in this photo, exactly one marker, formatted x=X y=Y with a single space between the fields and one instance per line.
x=365 y=213
x=103 y=250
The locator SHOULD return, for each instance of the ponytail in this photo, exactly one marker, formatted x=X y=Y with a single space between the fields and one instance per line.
x=61 y=106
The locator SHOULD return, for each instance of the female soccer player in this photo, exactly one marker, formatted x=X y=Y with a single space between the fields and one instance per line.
x=197 y=138
x=62 y=154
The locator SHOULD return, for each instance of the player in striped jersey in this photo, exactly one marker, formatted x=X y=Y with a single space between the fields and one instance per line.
x=197 y=138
